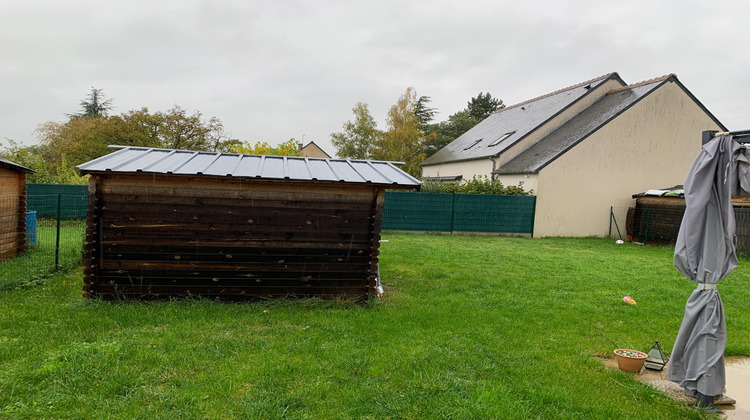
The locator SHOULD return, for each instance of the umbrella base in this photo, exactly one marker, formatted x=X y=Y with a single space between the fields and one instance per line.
x=706 y=403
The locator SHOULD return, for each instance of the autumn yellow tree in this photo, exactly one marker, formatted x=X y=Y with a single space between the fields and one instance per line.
x=287 y=148
x=404 y=140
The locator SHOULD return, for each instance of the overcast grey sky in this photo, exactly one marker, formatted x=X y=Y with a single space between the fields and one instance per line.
x=272 y=70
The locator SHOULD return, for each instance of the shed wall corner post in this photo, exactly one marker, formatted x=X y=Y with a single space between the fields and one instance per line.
x=92 y=246
x=21 y=230
x=377 y=217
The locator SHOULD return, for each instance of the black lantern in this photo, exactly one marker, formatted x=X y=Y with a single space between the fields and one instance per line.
x=656 y=358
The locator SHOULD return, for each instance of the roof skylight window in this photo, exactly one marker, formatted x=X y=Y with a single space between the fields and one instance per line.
x=472 y=144
x=501 y=138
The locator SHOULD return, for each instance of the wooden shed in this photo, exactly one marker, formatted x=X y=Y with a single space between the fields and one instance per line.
x=174 y=223
x=12 y=209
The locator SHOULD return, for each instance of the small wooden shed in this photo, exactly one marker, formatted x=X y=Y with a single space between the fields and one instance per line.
x=12 y=209
x=174 y=223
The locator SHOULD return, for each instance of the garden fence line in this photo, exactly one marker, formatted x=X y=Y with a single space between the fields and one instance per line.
x=446 y=212
x=660 y=225
x=54 y=228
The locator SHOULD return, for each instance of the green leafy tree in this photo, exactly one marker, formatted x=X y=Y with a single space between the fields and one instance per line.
x=483 y=105
x=82 y=139
x=34 y=157
x=85 y=137
x=94 y=105
x=425 y=114
x=404 y=140
x=359 y=136
x=177 y=129
x=180 y=130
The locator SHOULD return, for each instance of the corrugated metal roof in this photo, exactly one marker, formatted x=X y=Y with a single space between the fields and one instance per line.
x=517 y=120
x=8 y=164
x=186 y=162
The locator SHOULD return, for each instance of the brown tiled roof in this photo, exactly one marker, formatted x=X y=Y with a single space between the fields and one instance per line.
x=645 y=82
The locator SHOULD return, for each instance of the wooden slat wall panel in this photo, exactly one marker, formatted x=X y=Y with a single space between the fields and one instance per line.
x=10 y=182
x=232 y=239
x=12 y=213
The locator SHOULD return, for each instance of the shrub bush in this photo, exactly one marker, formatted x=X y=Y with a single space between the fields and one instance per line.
x=477 y=185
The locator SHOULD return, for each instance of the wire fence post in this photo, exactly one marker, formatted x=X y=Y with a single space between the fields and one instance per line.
x=453 y=210
x=648 y=217
x=613 y=218
x=57 y=235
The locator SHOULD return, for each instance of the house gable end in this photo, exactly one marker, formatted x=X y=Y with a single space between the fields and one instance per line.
x=554 y=145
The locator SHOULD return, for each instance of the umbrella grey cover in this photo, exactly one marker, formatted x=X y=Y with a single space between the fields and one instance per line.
x=705 y=253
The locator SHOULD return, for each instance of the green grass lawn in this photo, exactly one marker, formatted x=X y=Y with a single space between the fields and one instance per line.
x=470 y=327
x=39 y=260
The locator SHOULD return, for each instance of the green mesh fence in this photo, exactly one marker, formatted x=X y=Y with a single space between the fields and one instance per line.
x=437 y=212
x=41 y=198
x=52 y=244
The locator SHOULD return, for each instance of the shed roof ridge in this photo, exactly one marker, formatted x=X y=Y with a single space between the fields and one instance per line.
x=642 y=83
x=587 y=82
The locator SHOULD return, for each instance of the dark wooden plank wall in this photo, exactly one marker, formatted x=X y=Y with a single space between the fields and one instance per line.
x=231 y=239
x=659 y=217
x=12 y=213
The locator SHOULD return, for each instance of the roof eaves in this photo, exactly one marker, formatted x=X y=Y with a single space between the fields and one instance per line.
x=499 y=172
x=13 y=165
x=392 y=165
x=458 y=160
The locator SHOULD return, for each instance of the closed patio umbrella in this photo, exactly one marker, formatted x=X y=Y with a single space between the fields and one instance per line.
x=705 y=253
